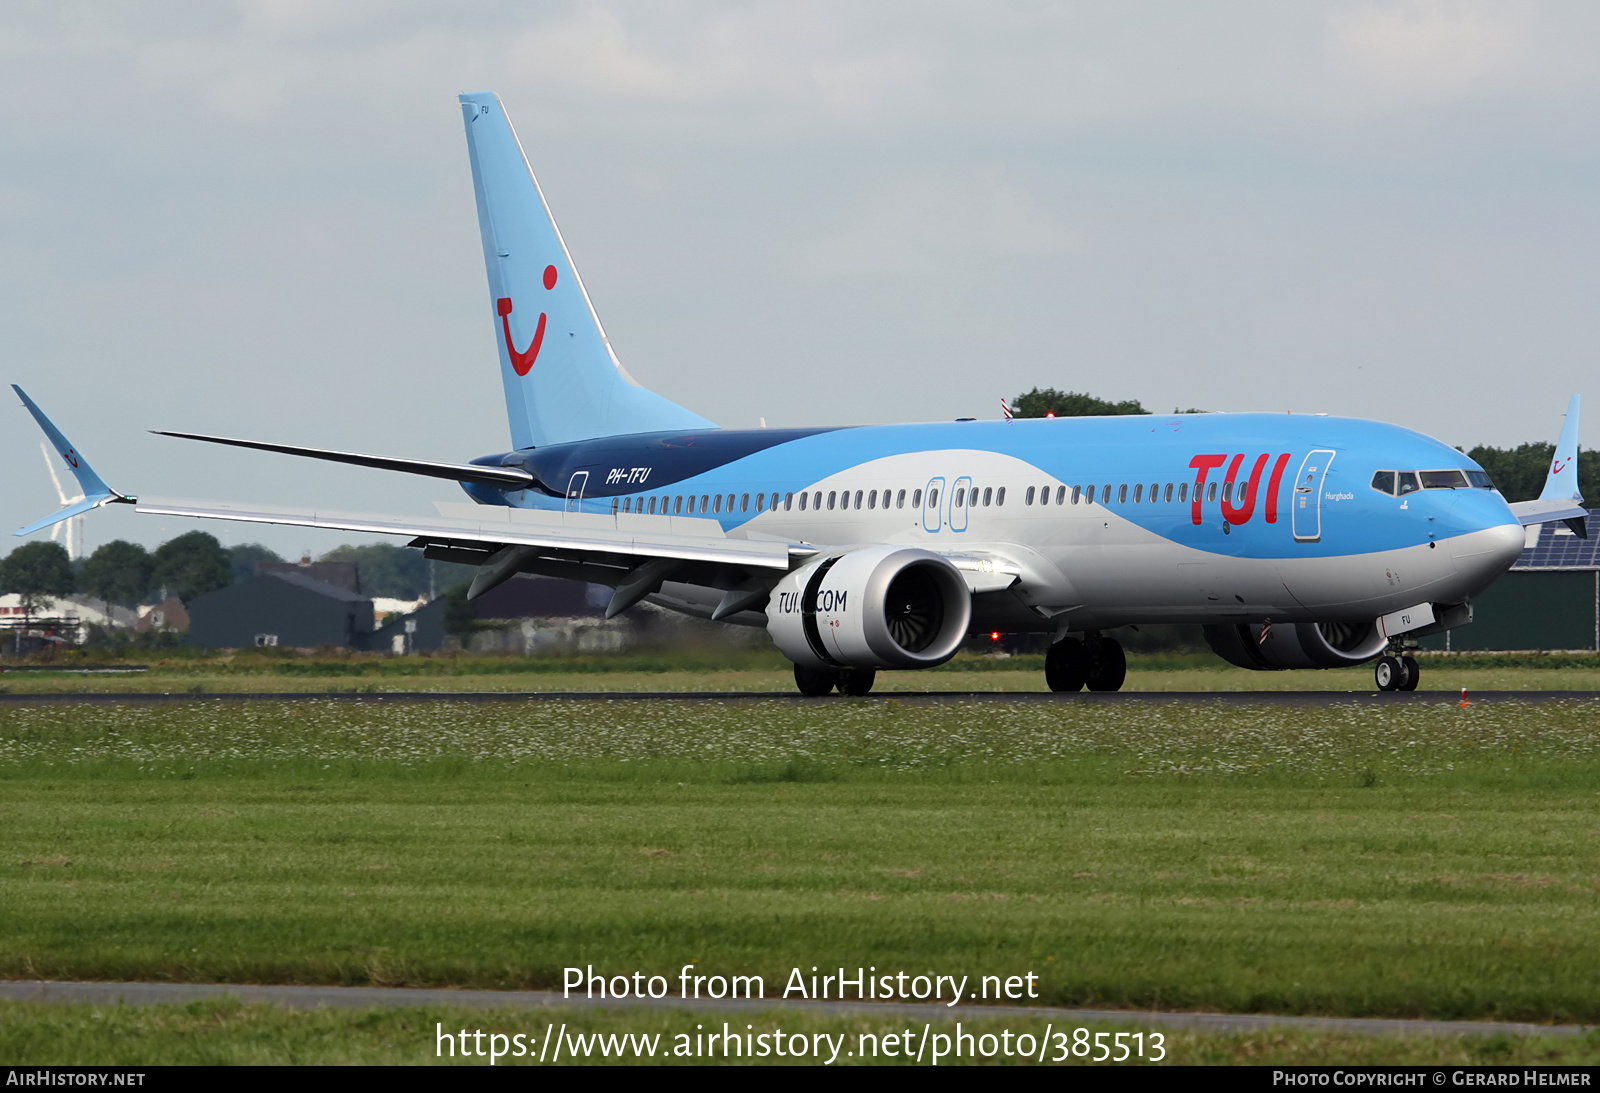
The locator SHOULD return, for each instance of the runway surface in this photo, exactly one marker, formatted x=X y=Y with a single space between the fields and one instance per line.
x=1231 y=698
x=299 y=997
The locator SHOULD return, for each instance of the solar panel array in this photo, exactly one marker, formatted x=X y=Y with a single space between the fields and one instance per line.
x=1558 y=548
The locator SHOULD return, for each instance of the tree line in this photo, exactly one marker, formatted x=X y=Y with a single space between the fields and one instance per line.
x=191 y=565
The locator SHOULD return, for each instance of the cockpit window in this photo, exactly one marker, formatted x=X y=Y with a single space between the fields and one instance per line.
x=1408 y=482
x=1480 y=480
x=1443 y=480
x=1383 y=482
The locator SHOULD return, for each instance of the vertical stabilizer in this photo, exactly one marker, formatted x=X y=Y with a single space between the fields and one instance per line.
x=1562 y=482
x=562 y=382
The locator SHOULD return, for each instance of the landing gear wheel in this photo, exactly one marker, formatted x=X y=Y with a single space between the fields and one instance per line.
x=1110 y=666
x=1389 y=673
x=857 y=681
x=1067 y=665
x=815 y=682
x=1413 y=673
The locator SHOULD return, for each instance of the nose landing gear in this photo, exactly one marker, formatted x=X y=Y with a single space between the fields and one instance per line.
x=1396 y=670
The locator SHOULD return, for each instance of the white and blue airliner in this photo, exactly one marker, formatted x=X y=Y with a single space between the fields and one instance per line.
x=1296 y=541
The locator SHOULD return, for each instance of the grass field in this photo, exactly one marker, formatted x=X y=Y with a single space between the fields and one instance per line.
x=1426 y=860
x=748 y=670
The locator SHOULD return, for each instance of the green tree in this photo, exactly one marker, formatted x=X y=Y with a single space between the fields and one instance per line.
x=398 y=572
x=36 y=572
x=192 y=565
x=244 y=557
x=460 y=616
x=1044 y=401
x=118 y=572
x=1519 y=472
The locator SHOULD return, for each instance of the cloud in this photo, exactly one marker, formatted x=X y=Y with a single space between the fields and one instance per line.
x=1431 y=50
x=932 y=224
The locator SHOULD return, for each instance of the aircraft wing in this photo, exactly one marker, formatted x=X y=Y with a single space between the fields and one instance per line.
x=494 y=526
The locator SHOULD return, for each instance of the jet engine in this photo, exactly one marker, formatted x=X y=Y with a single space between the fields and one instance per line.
x=1297 y=645
x=877 y=607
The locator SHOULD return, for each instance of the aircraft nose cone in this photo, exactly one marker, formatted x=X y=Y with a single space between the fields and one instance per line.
x=1481 y=556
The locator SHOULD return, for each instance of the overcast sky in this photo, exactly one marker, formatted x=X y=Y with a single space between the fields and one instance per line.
x=256 y=219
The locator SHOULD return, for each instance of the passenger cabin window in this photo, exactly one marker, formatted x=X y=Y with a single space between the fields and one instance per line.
x=999 y=496
x=1183 y=492
x=1028 y=497
x=1211 y=494
x=1122 y=493
x=961 y=497
x=832 y=495
x=1075 y=495
x=916 y=499
x=988 y=492
x=1168 y=496
x=858 y=499
x=1138 y=493
x=788 y=501
x=677 y=504
x=900 y=500
x=1154 y=486
x=803 y=497
x=717 y=504
x=933 y=499
x=872 y=499
x=615 y=502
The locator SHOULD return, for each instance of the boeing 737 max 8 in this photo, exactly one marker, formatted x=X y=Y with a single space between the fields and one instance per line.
x=1296 y=541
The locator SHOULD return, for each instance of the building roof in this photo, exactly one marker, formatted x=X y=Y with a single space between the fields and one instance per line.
x=322 y=588
x=1558 y=548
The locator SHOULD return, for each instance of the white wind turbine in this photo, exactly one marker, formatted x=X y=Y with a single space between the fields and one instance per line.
x=73 y=525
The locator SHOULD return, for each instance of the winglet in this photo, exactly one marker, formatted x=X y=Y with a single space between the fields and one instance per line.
x=1562 y=482
x=95 y=490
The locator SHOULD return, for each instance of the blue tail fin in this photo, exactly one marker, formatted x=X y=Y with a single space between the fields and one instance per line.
x=1562 y=481
x=564 y=383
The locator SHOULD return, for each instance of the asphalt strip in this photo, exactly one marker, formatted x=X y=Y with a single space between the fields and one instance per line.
x=920 y=698
x=298 y=997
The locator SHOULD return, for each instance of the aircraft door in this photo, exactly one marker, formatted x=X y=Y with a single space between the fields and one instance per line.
x=575 y=487
x=931 y=513
x=1307 y=501
x=960 y=503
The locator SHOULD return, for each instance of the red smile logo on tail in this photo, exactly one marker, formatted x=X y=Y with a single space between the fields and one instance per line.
x=522 y=361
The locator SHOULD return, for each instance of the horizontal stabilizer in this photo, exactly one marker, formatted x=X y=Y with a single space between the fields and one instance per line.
x=1552 y=511
x=504 y=477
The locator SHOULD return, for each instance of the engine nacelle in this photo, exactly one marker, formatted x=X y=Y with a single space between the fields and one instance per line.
x=1297 y=645
x=877 y=607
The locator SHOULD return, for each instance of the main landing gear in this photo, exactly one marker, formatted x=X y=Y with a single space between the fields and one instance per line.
x=816 y=682
x=1095 y=662
x=1396 y=670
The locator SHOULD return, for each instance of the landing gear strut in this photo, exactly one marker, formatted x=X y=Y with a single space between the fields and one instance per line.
x=1397 y=670
x=1096 y=662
